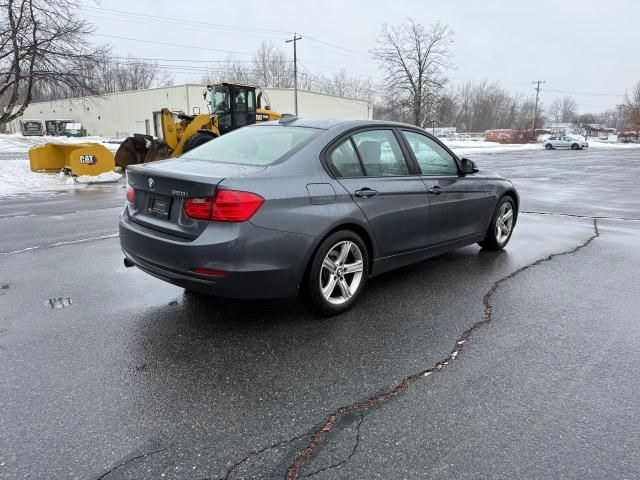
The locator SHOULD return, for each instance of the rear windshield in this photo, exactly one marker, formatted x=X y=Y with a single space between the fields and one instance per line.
x=259 y=146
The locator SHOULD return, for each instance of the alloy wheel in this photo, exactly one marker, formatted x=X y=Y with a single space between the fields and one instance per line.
x=341 y=272
x=504 y=222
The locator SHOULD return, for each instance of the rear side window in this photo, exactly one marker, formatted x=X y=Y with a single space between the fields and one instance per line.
x=258 y=146
x=380 y=153
x=431 y=157
x=344 y=160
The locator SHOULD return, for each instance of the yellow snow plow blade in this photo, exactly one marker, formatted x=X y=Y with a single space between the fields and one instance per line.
x=80 y=158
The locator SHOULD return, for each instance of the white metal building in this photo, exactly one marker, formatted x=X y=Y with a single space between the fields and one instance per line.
x=121 y=114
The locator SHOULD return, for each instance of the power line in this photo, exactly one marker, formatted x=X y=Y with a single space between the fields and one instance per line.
x=209 y=31
x=585 y=93
x=172 y=44
x=148 y=59
x=183 y=21
x=133 y=17
x=341 y=49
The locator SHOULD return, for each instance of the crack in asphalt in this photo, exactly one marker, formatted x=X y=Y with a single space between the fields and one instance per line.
x=256 y=452
x=60 y=244
x=575 y=215
x=349 y=457
x=319 y=435
x=129 y=460
x=55 y=214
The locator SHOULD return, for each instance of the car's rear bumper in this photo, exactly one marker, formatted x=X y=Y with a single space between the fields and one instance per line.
x=257 y=262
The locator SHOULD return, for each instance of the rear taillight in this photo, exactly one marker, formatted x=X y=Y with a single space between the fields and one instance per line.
x=198 y=208
x=224 y=206
x=131 y=194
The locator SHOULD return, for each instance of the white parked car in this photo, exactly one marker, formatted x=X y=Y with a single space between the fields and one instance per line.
x=564 y=141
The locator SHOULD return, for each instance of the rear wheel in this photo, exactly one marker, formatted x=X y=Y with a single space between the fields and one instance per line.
x=548 y=146
x=575 y=146
x=501 y=226
x=196 y=140
x=338 y=273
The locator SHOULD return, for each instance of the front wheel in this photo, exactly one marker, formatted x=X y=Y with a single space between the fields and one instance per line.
x=501 y=226
x=548 y=146
x=575 y=146
x=338 y=273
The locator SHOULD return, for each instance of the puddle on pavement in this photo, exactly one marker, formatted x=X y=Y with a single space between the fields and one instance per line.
x=60 y=302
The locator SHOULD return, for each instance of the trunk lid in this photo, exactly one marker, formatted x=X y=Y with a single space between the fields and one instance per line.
x=161 y=187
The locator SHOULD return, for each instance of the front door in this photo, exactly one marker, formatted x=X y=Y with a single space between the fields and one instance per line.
x=372 y=168
x=457 y=203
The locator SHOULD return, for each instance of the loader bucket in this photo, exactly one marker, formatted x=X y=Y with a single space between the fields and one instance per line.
x=80 y=158
x=132 y=151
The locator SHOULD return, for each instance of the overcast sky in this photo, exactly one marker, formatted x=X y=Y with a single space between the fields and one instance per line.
x=587 y=48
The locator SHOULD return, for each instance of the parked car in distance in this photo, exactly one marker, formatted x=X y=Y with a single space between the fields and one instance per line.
x=564 y=141
x=308 y=207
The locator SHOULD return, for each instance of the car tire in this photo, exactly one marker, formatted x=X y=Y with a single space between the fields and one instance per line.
x=575 y=146
x=337 y=274
x=548 y=146
x=497 y=239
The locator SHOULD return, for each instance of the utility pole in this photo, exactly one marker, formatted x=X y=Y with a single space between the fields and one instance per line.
x=620 y=108
x=535 y=110
x=295 y=39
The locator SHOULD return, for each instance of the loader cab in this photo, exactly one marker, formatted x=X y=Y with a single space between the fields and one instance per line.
x=235 y=105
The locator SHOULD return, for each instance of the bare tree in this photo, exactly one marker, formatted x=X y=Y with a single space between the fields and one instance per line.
x=584 y=125
x=555 y=110
x=414 y=60
x=43 y=45
x=272 y=67
x=563 y=110
x=632 y=109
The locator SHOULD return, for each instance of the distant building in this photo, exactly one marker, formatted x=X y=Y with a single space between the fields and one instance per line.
x=442 y=132
x=557 y=127
x=122 y=114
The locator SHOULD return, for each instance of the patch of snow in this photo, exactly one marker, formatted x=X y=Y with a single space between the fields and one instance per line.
x=466 y=147
x=17 y=179
x=106 y=177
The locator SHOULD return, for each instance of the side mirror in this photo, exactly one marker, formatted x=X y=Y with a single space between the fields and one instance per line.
x=468 y=166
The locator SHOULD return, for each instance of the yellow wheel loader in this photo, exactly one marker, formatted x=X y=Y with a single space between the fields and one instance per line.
x=231 y=106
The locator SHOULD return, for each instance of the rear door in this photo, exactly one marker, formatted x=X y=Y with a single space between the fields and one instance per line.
x=372 y=167
x=457 y=203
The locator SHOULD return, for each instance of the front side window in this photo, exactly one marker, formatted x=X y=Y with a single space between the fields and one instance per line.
x=344 y=160
x=260 y=146
x=432 y=158
x=380 y=153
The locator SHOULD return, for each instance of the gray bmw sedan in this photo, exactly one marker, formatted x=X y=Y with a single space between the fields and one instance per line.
x=309 y=207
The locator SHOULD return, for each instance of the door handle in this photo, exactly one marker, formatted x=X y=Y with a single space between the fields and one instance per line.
x=365 y=192
x=436 y=190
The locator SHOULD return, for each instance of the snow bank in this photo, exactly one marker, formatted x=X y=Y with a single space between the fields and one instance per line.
x=16 y=178
x=106 y=177
x=466 y=147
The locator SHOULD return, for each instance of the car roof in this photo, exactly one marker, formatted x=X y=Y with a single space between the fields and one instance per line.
x=329 y=123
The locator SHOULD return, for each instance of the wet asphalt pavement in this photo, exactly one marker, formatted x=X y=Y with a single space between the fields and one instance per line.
x=108 y=373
